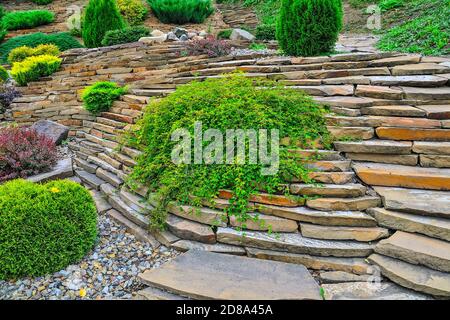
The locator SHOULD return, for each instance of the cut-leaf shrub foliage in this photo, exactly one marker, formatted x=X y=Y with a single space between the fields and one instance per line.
x=44 y=227
x=231 y=102
x=21 y=53
x=211 y=46
x=134 y=11
x=4 y=76
x=7 y=94
x=63 y=40
x=309 y=27
x=16 y=20
x=126 y=35
x=100 y=16
x=100 y=96
x=181 y=11
x=24 y=152
x=32 y=68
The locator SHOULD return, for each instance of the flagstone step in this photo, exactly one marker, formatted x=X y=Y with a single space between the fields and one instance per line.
x=135 y=201
x=132 y=215
x=434 y=227
x=343 y=277
x=329 y=177
x=435 y=161
x=416 y=249
x=345 y=102
x=375 y=146
x=424 y=94
x=327 y=218
x=186 y=245
x=190 y=230
x=415 y=277
x=370 y=291
x=406 y=159
x=407 y=134
x=352 y=265
x=262 y=222
x=294 y=243
x=395 y=61
x=440 y=112
x=206 y=275
x=391 y=175
x=409 y=81
x=361 y=234
x=378 y=92
x=152 y=293
x=203 y=215
x=400 y=111
x=383 y=121
x=344 y=204
x=361 y=133
x=329 y=190
x=329 y=166
x=416 y=201
x=431 y=147
x=90 y=179
x=265 y=198
x=324 y=155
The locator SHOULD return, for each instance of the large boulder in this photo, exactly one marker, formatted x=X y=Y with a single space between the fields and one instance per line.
x=240 y=34
x=57 y=132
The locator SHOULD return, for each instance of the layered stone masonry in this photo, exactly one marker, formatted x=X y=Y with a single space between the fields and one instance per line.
x=389 y=113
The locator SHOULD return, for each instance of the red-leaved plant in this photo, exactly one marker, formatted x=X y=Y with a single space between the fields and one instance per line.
x=24 y=152
x=210 y=46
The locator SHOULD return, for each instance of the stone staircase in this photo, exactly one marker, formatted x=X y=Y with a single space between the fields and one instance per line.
x=390 y=116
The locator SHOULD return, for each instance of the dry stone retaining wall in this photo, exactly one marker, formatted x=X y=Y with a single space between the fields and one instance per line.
x=390 y=112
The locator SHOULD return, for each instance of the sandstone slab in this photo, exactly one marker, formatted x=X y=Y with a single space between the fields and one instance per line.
x=186 y=245
x=206 y=275
x=342 y=276
x=435 y=161
x=402 y=111
x=440 y=112
x=190 y=230
x=329 y=190
x=62 y=169
x=343 y=233
x=406 y=159
x=262 y=222
x=344 y=204
x=418 y=69
x=55 y=131
x=378 y=92
x=375 y=146
x=431 y=147
x=410 y=134
x=202 y=215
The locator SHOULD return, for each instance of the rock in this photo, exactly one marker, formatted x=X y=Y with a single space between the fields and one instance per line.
x=202 y=215
x=178 y=31
x=172 y=37
x=440 y=112
x=191 y=35
x=418 y=278
x=351 y=132
x=378 y=92
x=417 y=249
x=375 y=146
x=203 y=34
x=62 y=169
x=151 y=293
x=416 y=201
x=186 y=245
x=430 y=226
x=424 y=94
x=330 y=166
x=343 y=204
x=109 y=177
x=151 y=40
x=413 y=134
x=407 y=160
x=341 y=276
x=100 y=202
x=343 y=233
x=436 y=161
x=206 y=275
x=326 y=90
x=345 y=102
x=90 y=179
x=401 y=111
x=262 y=222
x=240 y=34
x=418 y=69
x=157 y=33
x=353 y=265
x=184 y=37
x=264 y=198
x=431 y=147
x=294 y=243
x=392 y=175
x=190 y=230
x=409 y=81
x=394 y=61
x=55 y=131
x=370 y=291
x=329 y=190
x=304 y=214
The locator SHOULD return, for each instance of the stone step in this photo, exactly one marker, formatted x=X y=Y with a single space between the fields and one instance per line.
x=90 y=179
x=203 y=215
x=370 y=291
x=117 y=117
x=109 y=177
x=327 y=218
x=329 y=177
x=375 y=146
x=111 y=123
x=206 y=275
x=345 y=102
x=135 y=201
x=190 y=230
x=424 y=94
x=406 y=159
x=417 y=249
x=262 y=222
x=383 y=121
x=265 y=198
x=353 y=265
x=400 y=111
x=151 y=293
x=358 y=133
x=326 y=277
x=419 y=69
x=416 y=201
x=440 y=112
x=325 y=155
x=434 y=227
x=294 y=243
x=151 y=92
x=391 y=175
x=409 y=134
x=186 y=245
x=329 y=166
x=378 y=92
x=431 y=147
x=395 y=61
x=132 y=215
x=415 y=277
x=344 y=204
x=361 y=234
x=435 y=161
x=409 y=81
x=329 y=190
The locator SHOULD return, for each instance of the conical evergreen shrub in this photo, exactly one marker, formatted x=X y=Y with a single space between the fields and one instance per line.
x=100 y=17
x=309 y=27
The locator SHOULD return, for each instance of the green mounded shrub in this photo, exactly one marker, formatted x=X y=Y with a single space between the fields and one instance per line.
x=2 y=12
x=100 y=16
x=231 y=102
x=100 y=96
x=134 y=11
x=21 y=53
x=42 y=2
x=127 y=35
x=4 y=75
x=265 y=32
x=44 y=227
x=62 y=40
x=309 y=27
x=32 y=68
x=181 y=11
x=27 y=19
